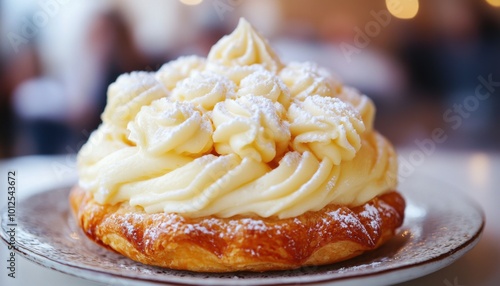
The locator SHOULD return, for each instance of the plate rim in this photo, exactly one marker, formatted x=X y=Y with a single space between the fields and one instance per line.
x=43 y=260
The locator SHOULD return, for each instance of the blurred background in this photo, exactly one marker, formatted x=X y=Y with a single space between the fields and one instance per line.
x=432 y=67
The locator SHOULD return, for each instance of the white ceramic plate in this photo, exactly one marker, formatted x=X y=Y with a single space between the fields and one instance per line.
x=440 y=226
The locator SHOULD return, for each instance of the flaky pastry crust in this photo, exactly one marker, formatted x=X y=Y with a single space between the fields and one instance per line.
x=212 y=244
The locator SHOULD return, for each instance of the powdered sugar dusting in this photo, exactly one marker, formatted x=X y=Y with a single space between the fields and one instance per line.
x=162 y=224
x=256 y=225
x=337 y=107
x=349 y=222
x=292 y=159
x=372 y=214
x=135 y=80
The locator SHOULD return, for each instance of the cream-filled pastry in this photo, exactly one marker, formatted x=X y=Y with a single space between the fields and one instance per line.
x=236 y=162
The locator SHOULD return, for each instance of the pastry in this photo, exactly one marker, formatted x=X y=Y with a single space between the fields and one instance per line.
x=237 y=162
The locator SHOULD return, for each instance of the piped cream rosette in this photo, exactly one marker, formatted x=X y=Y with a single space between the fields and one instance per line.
x=237 y=133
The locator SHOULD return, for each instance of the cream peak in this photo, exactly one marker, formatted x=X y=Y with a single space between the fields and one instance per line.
x=245 y=47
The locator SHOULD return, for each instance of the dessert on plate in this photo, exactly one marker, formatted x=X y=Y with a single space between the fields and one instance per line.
x=237 y=162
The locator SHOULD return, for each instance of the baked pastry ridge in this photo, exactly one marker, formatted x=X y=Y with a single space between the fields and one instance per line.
x=212 y=244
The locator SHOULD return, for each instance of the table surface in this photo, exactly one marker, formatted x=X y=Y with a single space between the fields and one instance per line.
x=474 y=173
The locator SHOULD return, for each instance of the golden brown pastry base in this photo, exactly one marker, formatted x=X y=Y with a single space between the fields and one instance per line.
x=211 y=244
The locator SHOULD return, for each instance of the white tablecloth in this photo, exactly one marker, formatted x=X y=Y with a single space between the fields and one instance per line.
x=475 y=173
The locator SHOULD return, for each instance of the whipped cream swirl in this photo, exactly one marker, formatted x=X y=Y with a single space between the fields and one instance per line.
x=166 y=126
x=362 y=103
x=327 y=127
x=264 y=83
x=126 y=96
x=250 y=126
x=305 y=79
x=173 y=72
x=204 y=89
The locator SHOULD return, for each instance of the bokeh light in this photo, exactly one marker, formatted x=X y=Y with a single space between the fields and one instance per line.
x=191 y=2
x=404 y=9
x=494 y=3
